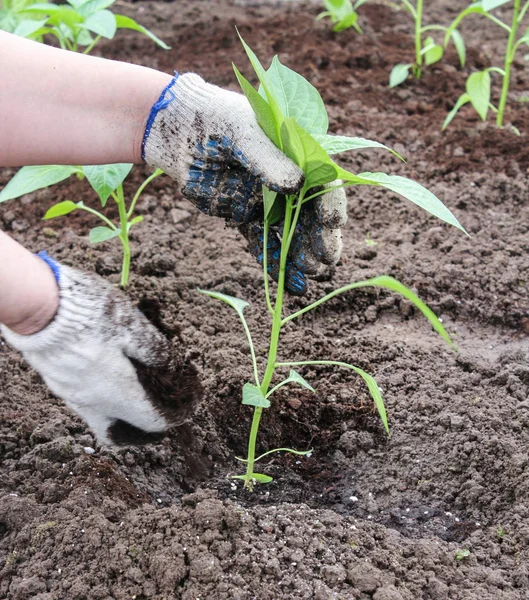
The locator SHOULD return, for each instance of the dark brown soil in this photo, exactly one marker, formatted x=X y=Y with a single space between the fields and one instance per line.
x=365 y=516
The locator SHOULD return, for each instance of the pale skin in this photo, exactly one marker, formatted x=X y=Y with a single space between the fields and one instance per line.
x=59 y=107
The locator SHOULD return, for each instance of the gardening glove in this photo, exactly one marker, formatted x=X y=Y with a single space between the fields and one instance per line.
x=108 y=362
x=209 y=141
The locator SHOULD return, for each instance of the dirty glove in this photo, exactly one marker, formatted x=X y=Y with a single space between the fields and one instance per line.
x=108 y=362
x=208 y=139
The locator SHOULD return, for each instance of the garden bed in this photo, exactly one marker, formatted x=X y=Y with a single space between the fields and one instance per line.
x=364 y=516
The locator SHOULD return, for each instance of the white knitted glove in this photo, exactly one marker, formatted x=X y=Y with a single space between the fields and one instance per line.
x=208 y=139
x=108 y=362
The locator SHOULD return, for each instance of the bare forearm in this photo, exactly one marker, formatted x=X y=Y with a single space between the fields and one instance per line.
x=29 y=295
x=59 y=107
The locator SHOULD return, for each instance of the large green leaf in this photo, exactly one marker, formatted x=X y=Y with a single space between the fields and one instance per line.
x=297 y=98
x=106 y=178
x=90 y=7
x=102 y=23
x=334 y=144
x=305 y=151
x=263 y=111
x=29 y=179
x=478 y=90
x=28 y=27
x=459 y=44
x=413 y=191
x=123 y=22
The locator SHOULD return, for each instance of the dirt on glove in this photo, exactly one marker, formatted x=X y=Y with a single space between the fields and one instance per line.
x=438 y=511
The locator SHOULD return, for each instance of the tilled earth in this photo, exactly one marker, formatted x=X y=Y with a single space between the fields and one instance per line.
x=437 y=511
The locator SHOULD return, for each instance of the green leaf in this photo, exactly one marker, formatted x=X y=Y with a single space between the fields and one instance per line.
x=399 y=74
x=106 y=178
x=263 y=78
x=102 y=234
x=260 y=478
x=295 y=377
x=133 y=221
x=102 y=23
x=269 y=197
x=461 y=101
x=28 y=27
x=492 y=4
x=46 y=7
x=252 y=396
x=478 y=90
x=60 y=209
x=433 y=54
x=123 y=22
x=459 y=44
x=29 y=179
x=474 y=8
x=334 y=144
x=305 y=151
x=374 y=390
x=90 y=7
x=263 y=111
x=415 y=192
x=297 y=98
x=347 y=22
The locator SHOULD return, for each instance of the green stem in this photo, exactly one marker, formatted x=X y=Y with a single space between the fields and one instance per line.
x=89 y=48
x=509 y=57
x=433 y=28
x=124 y=235
x=98 y=214
x=274 y=341
x=522 y=12
x=156 y=173
x=418 y=39
x=265 y=267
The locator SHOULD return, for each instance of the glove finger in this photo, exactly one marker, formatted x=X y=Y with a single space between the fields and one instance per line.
x=327 y=245
x=230 y=193
x=253 y=149
x=295 y=278
x=331 y=208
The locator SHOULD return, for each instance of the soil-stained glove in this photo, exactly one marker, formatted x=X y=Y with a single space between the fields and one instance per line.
x=108 y=362
x=209 y=141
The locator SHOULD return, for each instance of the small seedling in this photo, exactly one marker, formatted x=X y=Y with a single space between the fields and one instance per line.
x=427 y=51
x=342 y=14
x=461 y=554
x=291 y=112
x=107 y=182
x=478 y=84
x=500 y=532
x=74 y=24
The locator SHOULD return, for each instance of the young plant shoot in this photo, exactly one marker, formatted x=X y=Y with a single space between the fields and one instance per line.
x=427 y=51
x=478 y=83
x=74 y=24
x=107 y=182
x=342 y=14
x=291 y=112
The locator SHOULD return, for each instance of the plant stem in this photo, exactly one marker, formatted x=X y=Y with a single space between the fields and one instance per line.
x=265 y=267
x=274 y=339
x=89 y=48
x=418 y=39
x=509 y=57
x=124 y=235
x=156 y=173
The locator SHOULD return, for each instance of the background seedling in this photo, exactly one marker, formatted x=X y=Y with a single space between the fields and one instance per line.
x=342 y=14
x=107 y=182
x=478 y=84
x=291 y=112
x=74 y=24
x=427 y=51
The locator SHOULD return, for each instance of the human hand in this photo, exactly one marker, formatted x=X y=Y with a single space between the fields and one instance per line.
x=109 y=363
x=209 y=141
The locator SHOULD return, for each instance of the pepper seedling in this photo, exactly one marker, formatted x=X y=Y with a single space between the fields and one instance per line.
x=107 y=182
x=292 y=114
x=427 y=51
x=342 y=14
x=478 y=84
x=74 y=24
